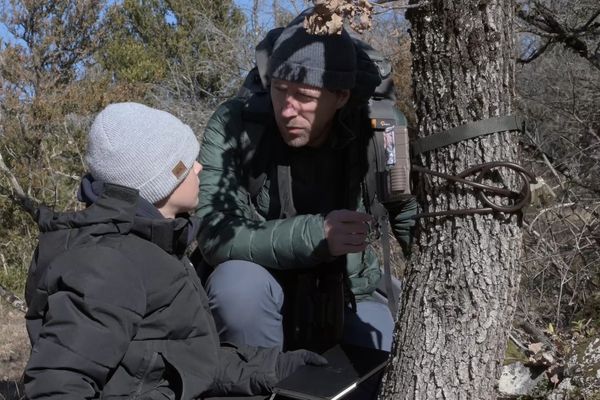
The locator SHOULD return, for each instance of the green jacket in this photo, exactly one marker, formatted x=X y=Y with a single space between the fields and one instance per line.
x=242 y=148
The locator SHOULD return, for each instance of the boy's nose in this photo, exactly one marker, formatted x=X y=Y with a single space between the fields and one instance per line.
x=197 y=167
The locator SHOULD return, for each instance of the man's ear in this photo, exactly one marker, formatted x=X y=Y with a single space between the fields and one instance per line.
x=343 y=95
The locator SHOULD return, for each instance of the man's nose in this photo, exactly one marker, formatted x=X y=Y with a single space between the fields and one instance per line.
x=290 y=107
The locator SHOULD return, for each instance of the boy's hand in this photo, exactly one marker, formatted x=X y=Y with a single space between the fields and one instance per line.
x=346 y=231
x=290 y=361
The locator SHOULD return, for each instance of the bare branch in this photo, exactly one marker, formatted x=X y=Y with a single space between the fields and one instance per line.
x=518 y=343
x=543 y=19
x=386 y=5
x=588 y=24
x=26 y=202
x=254 y=15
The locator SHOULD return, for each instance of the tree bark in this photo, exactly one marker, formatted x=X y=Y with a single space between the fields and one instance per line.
x=461 y=284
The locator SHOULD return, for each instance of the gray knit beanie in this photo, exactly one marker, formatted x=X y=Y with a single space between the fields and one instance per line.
x=324 y=61
x=142 y=148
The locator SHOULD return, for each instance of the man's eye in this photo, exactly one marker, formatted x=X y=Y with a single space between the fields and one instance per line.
x=280 y=88
x=307 y=95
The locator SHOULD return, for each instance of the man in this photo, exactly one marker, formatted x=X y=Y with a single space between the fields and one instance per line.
x=283 y=203
x=115 y=308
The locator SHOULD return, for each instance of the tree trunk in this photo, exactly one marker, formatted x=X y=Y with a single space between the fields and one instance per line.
x=461 y=285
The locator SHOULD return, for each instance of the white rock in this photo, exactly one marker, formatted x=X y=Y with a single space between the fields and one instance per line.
x=518 y=380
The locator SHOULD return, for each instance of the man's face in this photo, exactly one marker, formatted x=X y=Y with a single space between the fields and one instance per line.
x=304 y=114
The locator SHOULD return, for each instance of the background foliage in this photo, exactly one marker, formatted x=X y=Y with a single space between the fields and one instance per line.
x=67 y=59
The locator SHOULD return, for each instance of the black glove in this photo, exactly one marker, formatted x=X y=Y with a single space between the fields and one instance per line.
x=290 y=361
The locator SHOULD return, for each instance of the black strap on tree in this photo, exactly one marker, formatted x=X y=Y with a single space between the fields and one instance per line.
x=469 y=131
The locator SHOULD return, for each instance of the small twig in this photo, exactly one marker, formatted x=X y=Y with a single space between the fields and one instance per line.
x=589 y=22
x=4 y=266
x=12 y=299
x=385 y=4
x=587 y=323
x=545 y=159
x=554 y=207
x=535 y=333
x=553 y=170
x=518 y=343
x=73 y=177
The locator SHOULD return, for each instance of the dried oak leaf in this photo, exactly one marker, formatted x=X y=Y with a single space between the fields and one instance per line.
x=535 y=347
x=329 y=15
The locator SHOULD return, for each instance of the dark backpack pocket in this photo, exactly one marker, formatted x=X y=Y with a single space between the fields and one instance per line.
x=313 y=314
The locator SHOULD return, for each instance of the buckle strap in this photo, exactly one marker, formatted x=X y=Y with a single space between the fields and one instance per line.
x=380 y=213
x=284 y=182
x=467 y=131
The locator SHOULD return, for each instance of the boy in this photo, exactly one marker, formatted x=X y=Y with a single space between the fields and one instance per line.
x=115 y=308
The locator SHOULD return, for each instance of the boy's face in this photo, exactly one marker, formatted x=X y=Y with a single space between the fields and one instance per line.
x=185 y=196
x=304 y=113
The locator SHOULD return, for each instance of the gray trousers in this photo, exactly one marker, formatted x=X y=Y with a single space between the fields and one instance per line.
x=246 y=302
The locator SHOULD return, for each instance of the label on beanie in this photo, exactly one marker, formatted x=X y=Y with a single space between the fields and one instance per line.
x=179 y=169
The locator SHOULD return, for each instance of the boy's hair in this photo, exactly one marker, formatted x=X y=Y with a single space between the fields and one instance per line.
x=142 y=148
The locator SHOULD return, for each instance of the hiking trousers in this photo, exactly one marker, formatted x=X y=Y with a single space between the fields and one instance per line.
x=246 y=302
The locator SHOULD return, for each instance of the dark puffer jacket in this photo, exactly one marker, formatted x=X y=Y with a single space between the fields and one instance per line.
x=116 y=311
x=237 y=151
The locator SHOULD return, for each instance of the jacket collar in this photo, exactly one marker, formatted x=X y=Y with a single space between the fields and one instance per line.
x=117 y=210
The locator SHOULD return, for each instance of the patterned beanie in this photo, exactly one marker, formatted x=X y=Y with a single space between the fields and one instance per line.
x=324 y=61
x=142 y=148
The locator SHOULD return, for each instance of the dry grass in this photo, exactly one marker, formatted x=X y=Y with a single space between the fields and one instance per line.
x=14 y=351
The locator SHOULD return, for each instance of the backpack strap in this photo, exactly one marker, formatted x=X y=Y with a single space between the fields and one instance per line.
x=256 y=114
x=374 y=207
x=380 y=213
x=383 y=117
x=284 y=184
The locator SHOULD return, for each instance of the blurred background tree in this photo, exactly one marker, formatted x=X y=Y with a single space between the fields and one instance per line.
x=48 y=87
x=61 y=61
x=193 y=40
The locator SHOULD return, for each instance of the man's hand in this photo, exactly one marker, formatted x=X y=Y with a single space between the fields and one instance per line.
x=346 y=231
